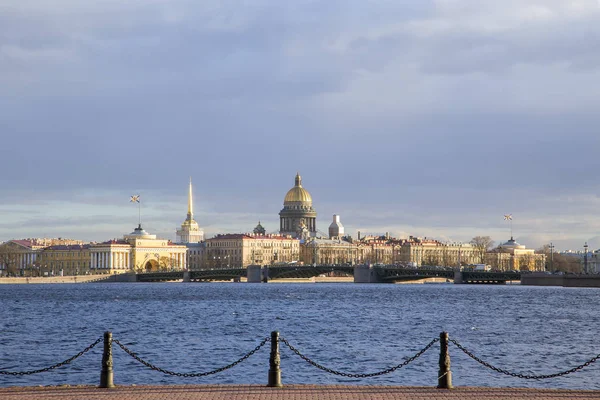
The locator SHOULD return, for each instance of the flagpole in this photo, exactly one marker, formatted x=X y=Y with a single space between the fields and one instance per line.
x=140 y=213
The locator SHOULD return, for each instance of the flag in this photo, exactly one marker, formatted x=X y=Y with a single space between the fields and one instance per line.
x=135 y=198
x=508 y=217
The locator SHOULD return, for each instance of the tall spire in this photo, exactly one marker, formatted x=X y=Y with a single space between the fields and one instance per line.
x=298 y=179
x=190 y=213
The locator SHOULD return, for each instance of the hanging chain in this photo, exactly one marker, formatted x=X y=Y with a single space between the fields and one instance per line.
x=60 y=364
x=349 y=375
x=523 y=376
x=185 y=374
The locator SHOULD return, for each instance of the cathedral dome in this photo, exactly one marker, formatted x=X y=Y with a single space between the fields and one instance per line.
x=298 y=194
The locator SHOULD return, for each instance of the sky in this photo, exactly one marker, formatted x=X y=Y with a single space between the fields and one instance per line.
x=415 y=117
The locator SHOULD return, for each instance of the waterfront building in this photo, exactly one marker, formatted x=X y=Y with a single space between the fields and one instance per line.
x=138 y=251
x=319 y=251
x=195 y=255
x=512 y=256
x=420 y=252
x=594 y=262
x=298 y=218
x=64 y=260
x=336 y=229
x=190 y=231
x=19 y=257
x=240 y=250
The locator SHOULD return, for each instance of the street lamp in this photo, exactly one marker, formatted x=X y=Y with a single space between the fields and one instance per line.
x=551 y=257
x=585 y=258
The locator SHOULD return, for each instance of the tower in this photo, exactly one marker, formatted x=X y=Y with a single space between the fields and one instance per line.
x=336 y=229
x=298 y=218
x=190 y=232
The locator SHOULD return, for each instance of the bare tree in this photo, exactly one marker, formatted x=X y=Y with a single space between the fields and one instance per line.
x=164 y=263
x=9 y=259
x=482 y=244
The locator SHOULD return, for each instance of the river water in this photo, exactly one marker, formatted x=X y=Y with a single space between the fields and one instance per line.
x=196 y=327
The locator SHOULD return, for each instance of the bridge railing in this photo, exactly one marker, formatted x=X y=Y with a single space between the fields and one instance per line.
x=444 y=376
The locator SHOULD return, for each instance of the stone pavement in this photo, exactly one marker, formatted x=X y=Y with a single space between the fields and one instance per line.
x=290 y=392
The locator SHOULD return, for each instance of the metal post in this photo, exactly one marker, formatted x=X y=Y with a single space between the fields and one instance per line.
x=106 y=376
x=274 y=371
x=444 y=374
x=585 y=259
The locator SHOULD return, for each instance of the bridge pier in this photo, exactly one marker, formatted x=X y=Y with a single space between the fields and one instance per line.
x=365 y=274
x=186 y=276
x=458 y=277
x=254 y=274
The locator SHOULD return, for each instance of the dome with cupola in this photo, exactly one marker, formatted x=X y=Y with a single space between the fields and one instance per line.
x=298 y=194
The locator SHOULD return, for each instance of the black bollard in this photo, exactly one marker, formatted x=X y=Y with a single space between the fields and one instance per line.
x=106 y=376
x=444 y=375
x=274 y=371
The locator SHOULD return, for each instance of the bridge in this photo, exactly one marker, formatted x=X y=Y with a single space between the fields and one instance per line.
x=361 y=273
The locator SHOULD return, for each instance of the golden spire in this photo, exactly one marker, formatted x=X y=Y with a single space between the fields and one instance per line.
x=190 y=213
x=298 y=179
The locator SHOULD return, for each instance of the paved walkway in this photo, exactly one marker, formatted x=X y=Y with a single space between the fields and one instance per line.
x=291 y=392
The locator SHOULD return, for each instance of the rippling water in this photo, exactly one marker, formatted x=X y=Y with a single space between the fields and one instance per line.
x=350 y=327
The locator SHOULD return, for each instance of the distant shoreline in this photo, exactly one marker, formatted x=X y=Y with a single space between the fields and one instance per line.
x=92 y=278
x=52 y=279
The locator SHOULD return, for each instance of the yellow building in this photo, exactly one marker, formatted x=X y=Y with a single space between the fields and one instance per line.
x=65 y=260
x=241 y=250
x=419 y=252
x=317 y=251
x=19 y=257
x=512 y=256
x=140 y=252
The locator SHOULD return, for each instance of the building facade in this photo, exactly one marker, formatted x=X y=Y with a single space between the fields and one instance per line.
x=298 y=218
x=19 y=257
x=418 y=252
x=65 y=260
x=241 y=250
x=138 y=251
x=512 y=256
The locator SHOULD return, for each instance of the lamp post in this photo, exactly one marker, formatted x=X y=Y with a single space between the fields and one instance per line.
x=585 y=258
x=551 y=257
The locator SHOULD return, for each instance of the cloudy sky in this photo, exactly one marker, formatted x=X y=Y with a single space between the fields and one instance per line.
x=418 y=117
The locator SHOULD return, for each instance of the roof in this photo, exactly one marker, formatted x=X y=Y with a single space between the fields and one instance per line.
x=246 y=236
x=69 y=247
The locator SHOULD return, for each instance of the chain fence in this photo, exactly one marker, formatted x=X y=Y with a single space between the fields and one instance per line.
x=188 y=374
x=308 y=360
x=350 y=375
x=523 y=376
x=60 y=364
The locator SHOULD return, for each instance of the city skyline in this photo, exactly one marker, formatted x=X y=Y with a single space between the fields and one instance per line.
x=425 y=118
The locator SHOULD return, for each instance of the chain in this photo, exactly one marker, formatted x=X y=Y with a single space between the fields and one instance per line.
x=348 y=375
x=522 y=376
x=60 y=364
x=190 y=375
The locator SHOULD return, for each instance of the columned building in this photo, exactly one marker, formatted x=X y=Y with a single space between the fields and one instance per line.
x=190 y=232
x=298 y=217
x=139 y=252
x=512 y=256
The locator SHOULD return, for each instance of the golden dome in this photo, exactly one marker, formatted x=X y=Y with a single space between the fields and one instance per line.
x=298 y=194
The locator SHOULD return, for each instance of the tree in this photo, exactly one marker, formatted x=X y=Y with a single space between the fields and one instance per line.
x=164 y=263
x=559 y=262
x=481 y=244
x=9 y=259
